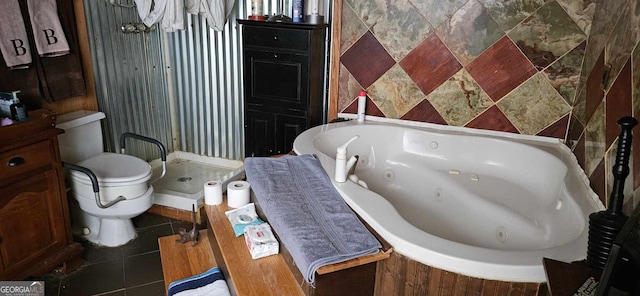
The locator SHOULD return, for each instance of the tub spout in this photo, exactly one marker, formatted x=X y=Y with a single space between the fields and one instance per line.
x=341 y=161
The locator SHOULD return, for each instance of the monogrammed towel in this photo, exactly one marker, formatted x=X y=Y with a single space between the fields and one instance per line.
x=47 y=30
x=14 y=44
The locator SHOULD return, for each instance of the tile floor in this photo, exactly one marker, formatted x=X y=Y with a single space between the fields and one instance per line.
x=132 y=269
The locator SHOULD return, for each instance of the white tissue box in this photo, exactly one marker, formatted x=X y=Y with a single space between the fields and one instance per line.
x=260 y=240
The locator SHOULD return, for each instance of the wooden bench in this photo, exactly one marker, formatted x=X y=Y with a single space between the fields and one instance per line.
x=271 y=275
x=180 y=261
x=244 y=275
x=277 y=274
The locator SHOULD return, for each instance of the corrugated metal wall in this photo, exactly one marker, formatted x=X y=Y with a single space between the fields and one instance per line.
x=196 y=75
x=130 y=78
x=207 y=76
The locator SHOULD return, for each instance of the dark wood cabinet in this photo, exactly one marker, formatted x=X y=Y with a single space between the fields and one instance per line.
x=35 y=233
x=284 y=72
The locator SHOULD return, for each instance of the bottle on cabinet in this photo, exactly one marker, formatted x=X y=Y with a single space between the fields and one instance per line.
x=257 y=12
x=297 y=9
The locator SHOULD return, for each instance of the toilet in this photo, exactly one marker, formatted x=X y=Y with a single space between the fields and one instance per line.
x=117 y=175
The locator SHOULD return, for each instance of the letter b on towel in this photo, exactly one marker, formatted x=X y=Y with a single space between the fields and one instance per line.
x=18 y=46
x=49 y=35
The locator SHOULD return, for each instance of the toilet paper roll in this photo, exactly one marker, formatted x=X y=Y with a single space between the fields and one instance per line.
x=238 y=194
x=213 y=193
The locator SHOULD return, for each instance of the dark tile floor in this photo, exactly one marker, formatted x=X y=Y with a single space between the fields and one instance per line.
x=132 y=269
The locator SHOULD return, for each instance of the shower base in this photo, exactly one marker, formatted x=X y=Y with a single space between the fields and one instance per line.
x=183 y=184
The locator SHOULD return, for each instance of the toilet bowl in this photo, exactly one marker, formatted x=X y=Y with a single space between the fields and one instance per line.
x=108 y=188
x=110 y=227
x=117 y=175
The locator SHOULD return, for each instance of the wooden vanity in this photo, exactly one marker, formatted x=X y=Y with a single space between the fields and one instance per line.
x=35 y=229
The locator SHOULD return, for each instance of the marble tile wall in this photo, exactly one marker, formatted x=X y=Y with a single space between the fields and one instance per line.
x=533 y=67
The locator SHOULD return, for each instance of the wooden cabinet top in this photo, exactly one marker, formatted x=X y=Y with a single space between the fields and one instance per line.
x=42 y=123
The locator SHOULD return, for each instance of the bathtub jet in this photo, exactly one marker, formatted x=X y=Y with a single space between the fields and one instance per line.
x=480 y=203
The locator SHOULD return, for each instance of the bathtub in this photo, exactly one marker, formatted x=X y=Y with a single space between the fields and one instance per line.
x=479 y=203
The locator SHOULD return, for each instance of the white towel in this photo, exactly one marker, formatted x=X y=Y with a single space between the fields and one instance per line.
x=195 y=6
x=143 y=7
x=218 y=288
x=14 y=44
x=47 y=30
x=173 y=18
x=151 y=16
x=215 y=11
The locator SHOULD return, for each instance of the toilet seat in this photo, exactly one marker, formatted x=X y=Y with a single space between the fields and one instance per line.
x=114 y=169
x=117 y=174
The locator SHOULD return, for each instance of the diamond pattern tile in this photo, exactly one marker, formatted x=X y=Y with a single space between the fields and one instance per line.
x=352 y=28
x=564 y=74
x=469 y=32
x=424 y=112
x=369 y=11
x=348 y=88
x=500 y=69
x=547 y=34
x=534 y=105
x=395 y=93
x=579 y=151
x=598 y=182
x=493 y=119
x=595 y=137
x=430 y=64
x=624 y=38
x=576 y=129
x=557 y=130
x=635 y=160
x=635 y=58
x=459 y=99
x=401 y=29
x=532 y=67
x=367 y=60
x=370 y=109
x=618 y=103
x=581 y=11
x=510 y=13
x=594 y=92
x=437 y=11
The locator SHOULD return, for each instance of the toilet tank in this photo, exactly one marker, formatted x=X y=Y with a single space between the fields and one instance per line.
x=82 y=136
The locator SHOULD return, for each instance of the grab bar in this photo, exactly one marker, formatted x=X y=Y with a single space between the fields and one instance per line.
x=163 y=151
x=94 y=184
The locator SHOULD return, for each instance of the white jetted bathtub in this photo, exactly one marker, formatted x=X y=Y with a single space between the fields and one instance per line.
x=480 y=203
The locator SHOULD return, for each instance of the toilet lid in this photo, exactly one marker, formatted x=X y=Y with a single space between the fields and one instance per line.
x=114 y=169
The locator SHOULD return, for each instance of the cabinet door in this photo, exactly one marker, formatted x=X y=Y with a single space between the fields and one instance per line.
x=259 y=133
x=276 y=81
x=31 y=221
x=287 y=129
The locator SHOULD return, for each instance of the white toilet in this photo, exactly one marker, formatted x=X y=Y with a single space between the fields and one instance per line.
x=119 y=176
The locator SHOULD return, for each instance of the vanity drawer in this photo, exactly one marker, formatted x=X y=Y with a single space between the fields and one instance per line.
x=276 y=38
x=23 y=159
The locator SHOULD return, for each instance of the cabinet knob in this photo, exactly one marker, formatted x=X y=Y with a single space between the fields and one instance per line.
x=275 y=38
x=275 y=56
x=16 y=161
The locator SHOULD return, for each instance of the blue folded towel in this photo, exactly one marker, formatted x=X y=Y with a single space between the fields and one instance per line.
x=209 y=283
x=307 y=212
